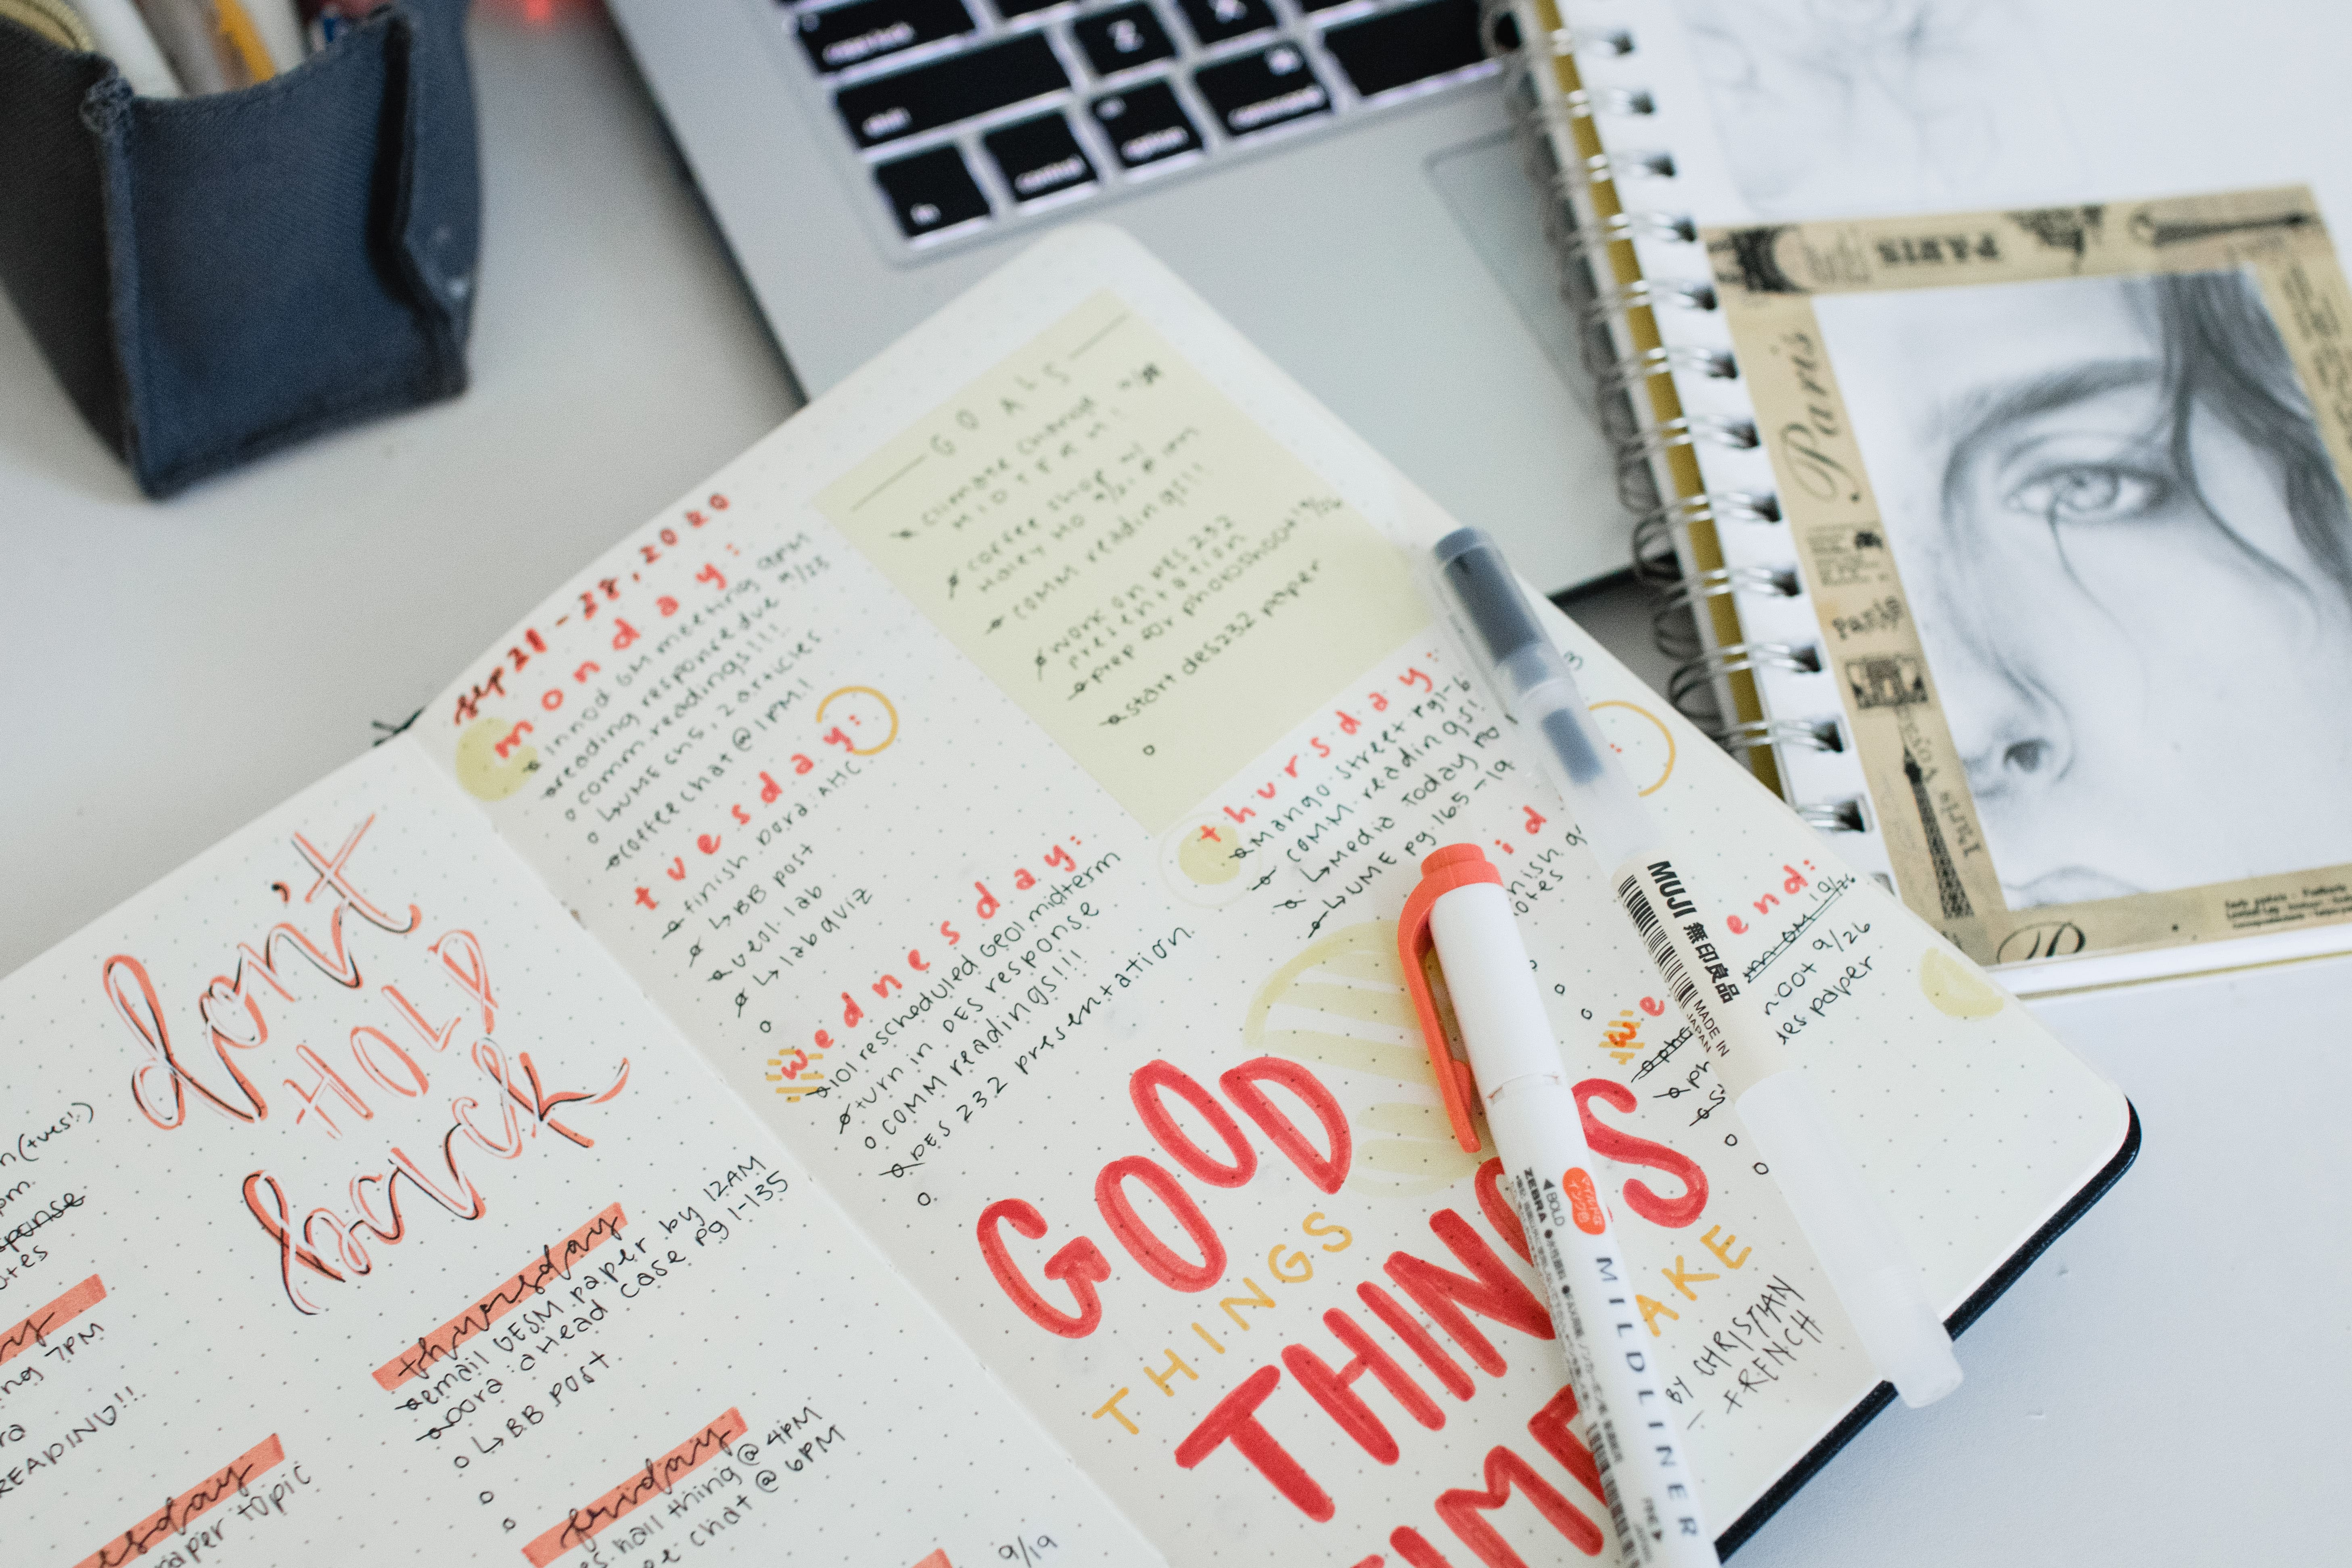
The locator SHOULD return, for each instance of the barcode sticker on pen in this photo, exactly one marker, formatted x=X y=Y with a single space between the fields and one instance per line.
x=1672 y=926
x=1654 y=936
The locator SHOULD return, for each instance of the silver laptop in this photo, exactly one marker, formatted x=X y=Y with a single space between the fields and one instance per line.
x=1335 y=176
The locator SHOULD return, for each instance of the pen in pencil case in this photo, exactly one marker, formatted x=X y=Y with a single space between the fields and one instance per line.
x=324 y=21
x=124 y=37
x=1867 y=1262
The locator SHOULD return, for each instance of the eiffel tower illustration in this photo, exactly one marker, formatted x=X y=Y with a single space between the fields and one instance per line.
x=1950 y=893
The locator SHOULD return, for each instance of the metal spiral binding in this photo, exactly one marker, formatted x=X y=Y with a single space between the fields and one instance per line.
x=1617 y=41
x=1837 y=816
x=1671 y=628
x=1622 y=376
x=1598 y=304
x=1689 y=430
x=1781 y=579
x=1635 y=451
x=1591 y=304
x=1654 y=561
x=1648 y=165
x=1688 y=295
x=1585 y=101
x=1570 y=241
x=1813 y=734
x=1597 y=346
x=1694 y=677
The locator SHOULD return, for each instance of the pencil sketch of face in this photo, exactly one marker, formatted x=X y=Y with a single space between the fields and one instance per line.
x=2131 y=566
x=1831 y=107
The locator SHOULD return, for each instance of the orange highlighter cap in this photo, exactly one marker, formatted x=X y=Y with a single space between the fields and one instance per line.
x=1454 y=866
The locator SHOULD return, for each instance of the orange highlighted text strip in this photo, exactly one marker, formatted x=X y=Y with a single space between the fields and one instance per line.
x=657 y=1477
x=19 y=1337
x=554 y=1262
x=173 y=1517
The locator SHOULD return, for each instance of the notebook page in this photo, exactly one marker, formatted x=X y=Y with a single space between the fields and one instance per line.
x=1128 y=1092
x=1781 y=111
x=1993 y=153
x=356 y=1203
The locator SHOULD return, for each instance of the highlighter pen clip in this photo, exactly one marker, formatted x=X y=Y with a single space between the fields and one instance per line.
x=1456 y=866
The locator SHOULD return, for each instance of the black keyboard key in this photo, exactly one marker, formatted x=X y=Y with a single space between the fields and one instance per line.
x=953 y=89
x=1039 y=157
x=1273 y=87
x=1311 y=7
x=1008 y=9
x=1401 y=47
x=1146 y=125
x=1114 y=40
x=867 y=30
x=932 y=191
x=1215 y=21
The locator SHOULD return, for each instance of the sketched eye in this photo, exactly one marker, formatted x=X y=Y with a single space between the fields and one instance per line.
x=2088 y=492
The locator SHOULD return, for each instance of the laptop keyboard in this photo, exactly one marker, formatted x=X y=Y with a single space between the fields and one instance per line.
x=971 y=114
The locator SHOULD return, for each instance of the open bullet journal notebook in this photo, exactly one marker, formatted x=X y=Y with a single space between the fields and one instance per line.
x=1990 y=366
x=866 y=1030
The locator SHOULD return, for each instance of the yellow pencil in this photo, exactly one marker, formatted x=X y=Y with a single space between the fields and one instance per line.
x=244 y=38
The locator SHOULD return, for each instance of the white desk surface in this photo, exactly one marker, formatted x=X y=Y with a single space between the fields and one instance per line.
x=2162 y=1387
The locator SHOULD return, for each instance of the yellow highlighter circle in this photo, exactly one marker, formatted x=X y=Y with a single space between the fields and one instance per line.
x=1666 y=770
x=888 y=708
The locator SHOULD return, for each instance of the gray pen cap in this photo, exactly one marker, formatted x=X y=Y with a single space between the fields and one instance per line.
x=1494 y=615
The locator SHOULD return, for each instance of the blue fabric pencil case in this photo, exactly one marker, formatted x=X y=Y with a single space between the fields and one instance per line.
x=211 y=278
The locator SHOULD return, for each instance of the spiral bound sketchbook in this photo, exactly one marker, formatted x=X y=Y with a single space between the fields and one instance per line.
x=1982 y=375
x=868 y=1030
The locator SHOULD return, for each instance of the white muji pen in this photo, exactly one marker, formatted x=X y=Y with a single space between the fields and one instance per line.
x=1867 y=1264
x=1515 y=1072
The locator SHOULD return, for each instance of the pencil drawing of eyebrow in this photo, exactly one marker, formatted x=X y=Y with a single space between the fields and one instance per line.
x=1978 y=414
